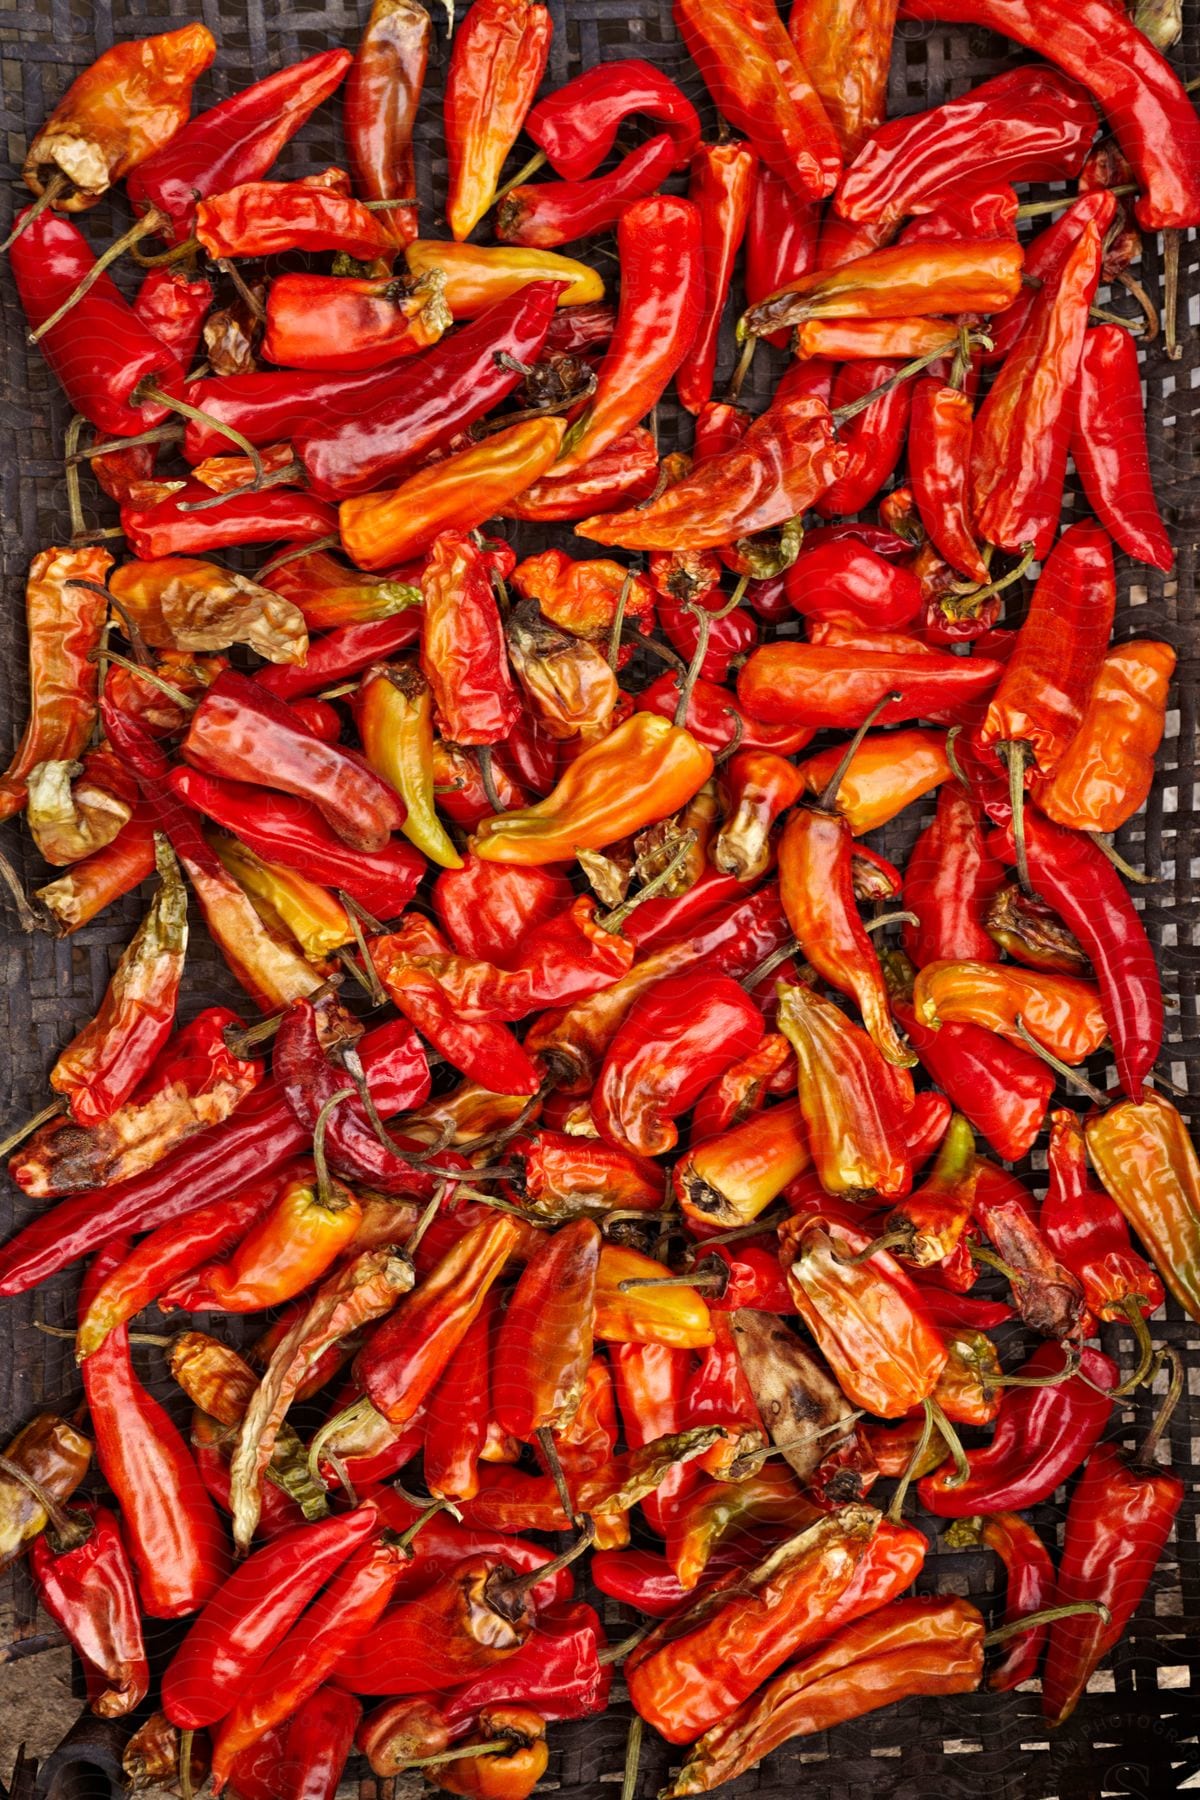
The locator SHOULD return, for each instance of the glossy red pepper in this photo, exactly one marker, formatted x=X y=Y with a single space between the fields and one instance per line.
x=175 y=1539
x=759 y=84
x=497 y=60
x=674 y=1041
x=1112 y=458
x=949 y=881
x=845 y=581
x=101 y=353
x=1121 y=1513
x=939 y=464
x=284 y=828
x=379 y=109
x=1155 y=123
x=1029 y=124
x=662 y=299
x=277 y=514
x=1079 y=882
x=873 y=440
x=462 y=645
x=234 y=142
x=1004 y=1091
x=253 y=1611
x=320 y=1736
x=1041 y=1436
x=720 y=184
x=559 y=212
x=82 y=1577
x=576 y=126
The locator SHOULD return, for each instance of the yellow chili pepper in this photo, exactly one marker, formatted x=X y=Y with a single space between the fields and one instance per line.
x=395 y=721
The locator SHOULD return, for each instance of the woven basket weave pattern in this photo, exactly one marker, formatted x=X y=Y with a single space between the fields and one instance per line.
x=1136 y=1735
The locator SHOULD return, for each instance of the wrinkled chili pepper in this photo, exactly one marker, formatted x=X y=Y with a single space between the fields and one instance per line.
x=905 y=281
x=1155 y=124
x=498 y=58
x=234 y=142
x=846 y=53
x=561 y=212
x=760 y=85
x=1121 y=1513
x=1105 y=773
x=337 y=322
x=56 y=1455
x=82 y=1577
x=1041 y=1436
x=379 y=109
x=719 y=184
x=1062 y=1012
x=1113 y=462
x=1143 y=1154
x=949 y=881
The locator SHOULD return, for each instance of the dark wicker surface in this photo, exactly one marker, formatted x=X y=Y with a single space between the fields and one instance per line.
x=1136 y=1733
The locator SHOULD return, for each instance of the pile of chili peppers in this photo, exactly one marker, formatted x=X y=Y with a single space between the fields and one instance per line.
x=603 y=1185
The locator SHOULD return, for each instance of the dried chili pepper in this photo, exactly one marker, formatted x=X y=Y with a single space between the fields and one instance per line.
x=498 y=59
x=576 y=126
x=340 y=322
x=1105 y=773
x=760 y=85
x=1029 y=124
x=56 y=1456
x=846 y=53
x=478 y=276
x=379 y=109
x=905 y=281
x=949 y=881
x=1143 y=1154
x=1112 y=460
x=234 y=142
x=1121 y=1513
x=1061 y=1012
x=82 y=1577
x=719 y=184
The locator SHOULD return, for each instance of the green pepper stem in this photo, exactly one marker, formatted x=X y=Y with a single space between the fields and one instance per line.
x=324 y=1185
x=148 y=392
x=705 y=621
x=57 y=185
x=829 y=793
x=498 y=1747
x=1104 y=842
x=519 y=179
x=549 y=1449
x=31 y=1125
x=1056 y=1063
x=145 y=227
x=633 y=1756
x=1145 y=1458
x=1047 y=1616
x=613 y=921
x=618 y=621
x=1131 y=1307
x=895 y=1511
x=950 y=1437
x=620 y=1650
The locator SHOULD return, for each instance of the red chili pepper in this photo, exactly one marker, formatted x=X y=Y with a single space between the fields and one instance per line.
x=576 y=126
x=379 y=109
x=939 y=464
x=320 y=1736
x=174 y=1249
x=661 y=303
x=1004 y=1091
x=262 y=1133
x=845 y=581
x=177 y=1543
x=1021 y=435
x=1029 y=124
x=1042 y=1435
x=252 y=1612
x=487 y=908
x=1088 y=1233
x=101 y=352
x=265 y=218
x=474 y=1043
x=627 y=471
x=558 y=1670
x=720 y=184
x=873 y=440
x=962 y=1312
x=346 y=651
x=1121 y=1513
x=81 y=1576
x=1075 y=877
x=497 y=60
x=651 y=1382
x=559 y=212
x=341 y=322
x=676 y=1039
x=164 y=529
x=1112 y=459
x=1154 y=121
x=462 y=645
x=459 y=1410
x=949 y=881
x=348 y=1609
x=285 y=829
x=234 y=142
x=759 y=84
x=243 y=731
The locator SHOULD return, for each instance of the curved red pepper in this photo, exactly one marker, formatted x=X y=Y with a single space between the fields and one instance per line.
x=939 y=463
x=1079 y=882
x=844 y=580
x=270 y=517
x=873 y=440
x=1108 y=445
x=949 y=879
x=379 y=108
x=1042 y=1435
x=720 y=183
x=175 y=1538
x=1004 y=1091
x=234 y=142
x=577 y=125
x=558 y=212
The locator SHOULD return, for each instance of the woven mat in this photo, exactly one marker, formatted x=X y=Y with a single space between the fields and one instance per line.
x=1135 y=1733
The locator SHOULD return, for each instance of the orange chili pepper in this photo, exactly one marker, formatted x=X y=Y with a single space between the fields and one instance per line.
x=853 y=1101
x=728 y=1180
x=476 y=276
x=643 y=770
x=867 y=1317
x=675 y=1316
x=545 y=1341
x=887 y=772
x=904 y=281
x=863 y=340
x=129 y=104
x=846 y=50
x=301 y=1236
x=1062 y=1012
x=498 y=58
x=380 y=530
x=1104 y=775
